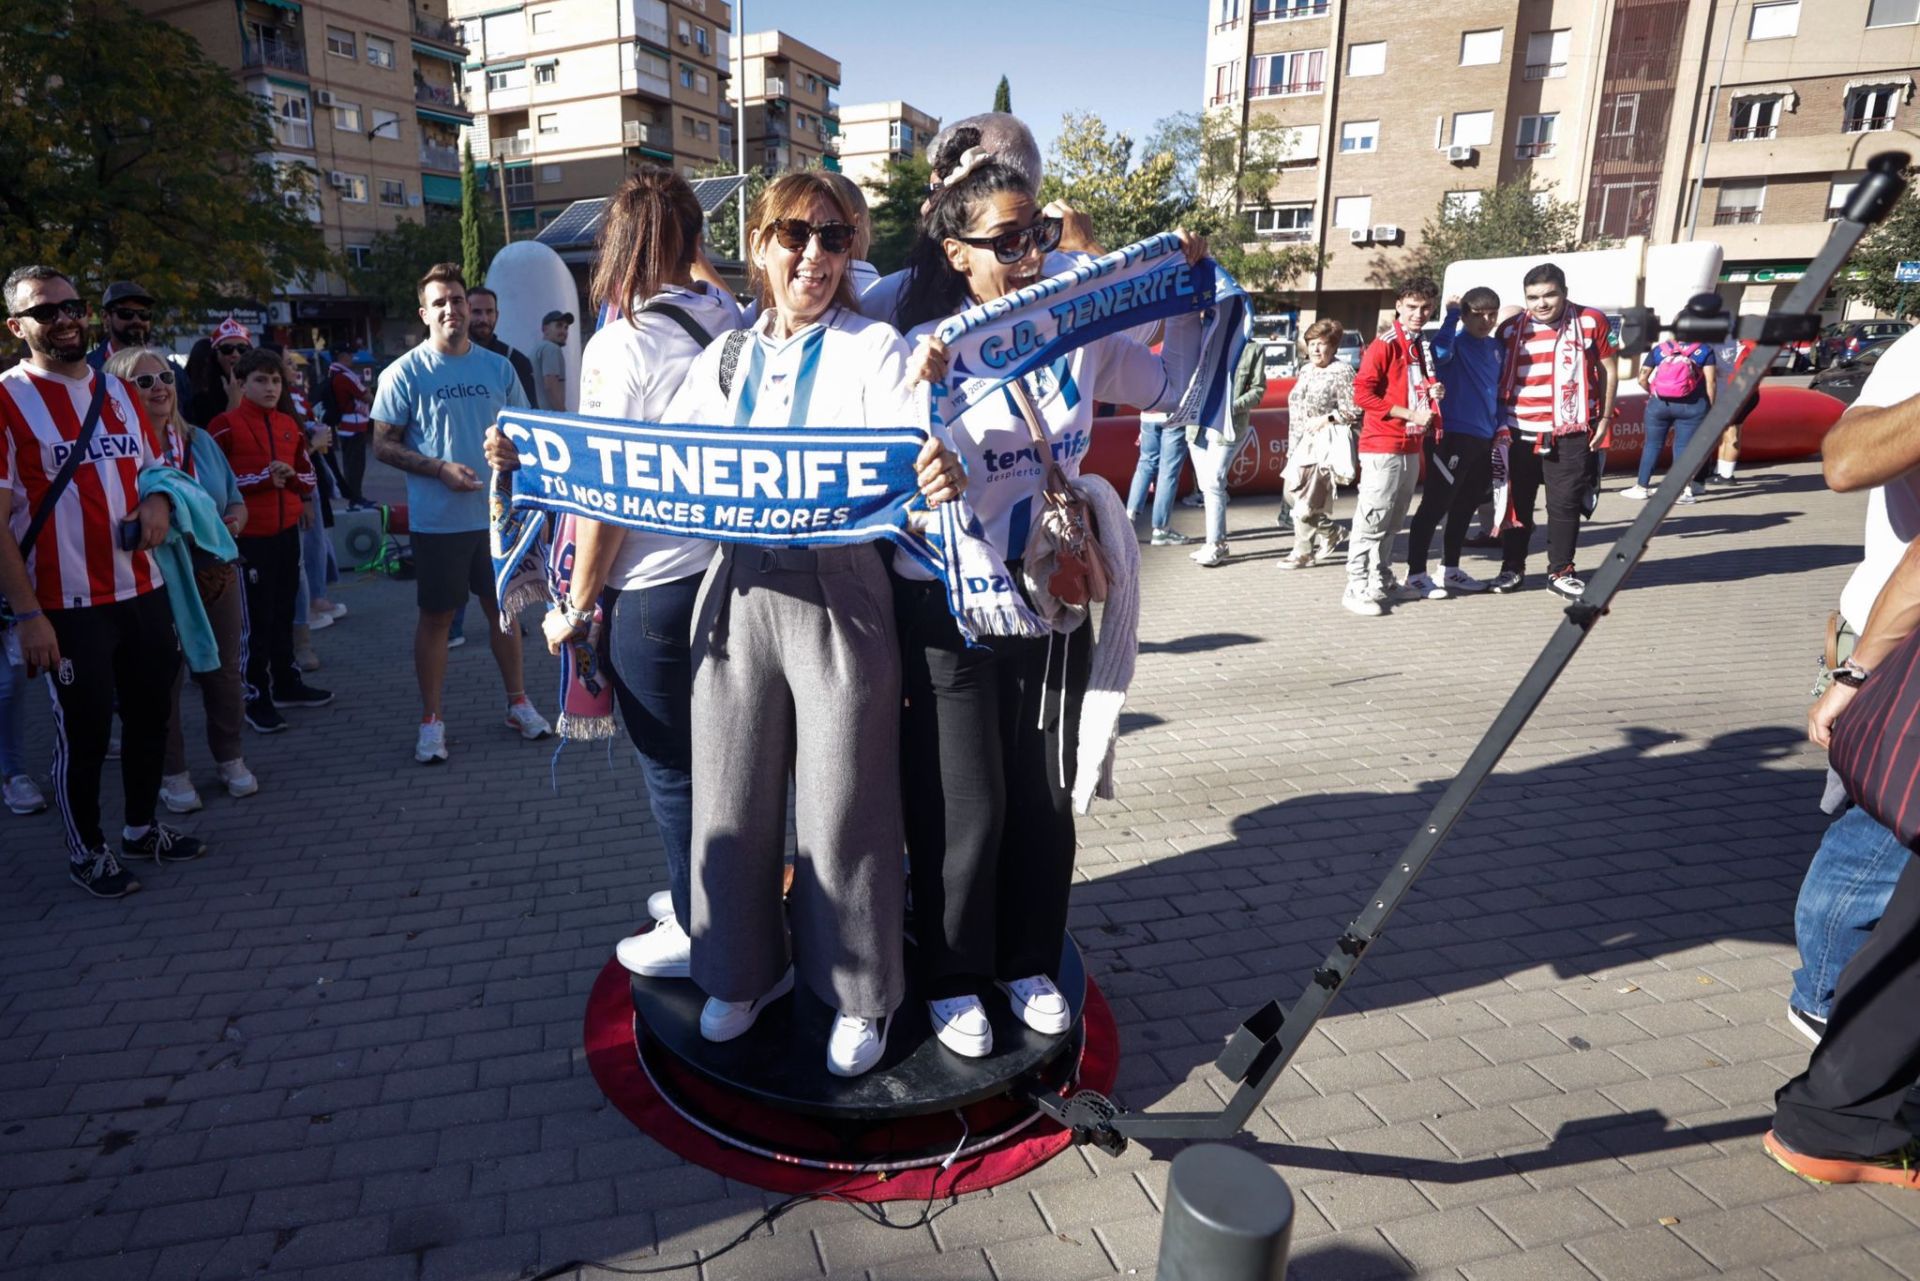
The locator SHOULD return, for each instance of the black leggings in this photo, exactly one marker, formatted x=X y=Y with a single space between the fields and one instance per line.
x=1458 y=471
x=989 y=816
x=272 y=572
x=353 y=459
x=127 y=654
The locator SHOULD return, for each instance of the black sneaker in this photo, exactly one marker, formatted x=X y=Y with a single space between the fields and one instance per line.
x=263 y=718
x=163 y=844
x=300 y=694
x=101 y=875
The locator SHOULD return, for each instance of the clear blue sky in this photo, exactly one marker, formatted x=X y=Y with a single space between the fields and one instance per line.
x=1129 y=63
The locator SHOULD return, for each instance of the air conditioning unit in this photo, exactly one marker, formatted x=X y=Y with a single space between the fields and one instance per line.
x=336 y=179
x=1386 y=233
x=1460 y=154
x=323 y=97
x=289 y=17
x=1360 y=235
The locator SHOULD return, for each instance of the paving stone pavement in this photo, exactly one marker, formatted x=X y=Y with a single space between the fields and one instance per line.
x=348 y=1044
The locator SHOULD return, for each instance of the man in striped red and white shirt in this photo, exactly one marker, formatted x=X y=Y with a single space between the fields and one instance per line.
x=1556 y=402
x=89 y=610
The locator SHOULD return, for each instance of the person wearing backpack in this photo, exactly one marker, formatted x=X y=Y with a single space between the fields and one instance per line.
x=1680 y=379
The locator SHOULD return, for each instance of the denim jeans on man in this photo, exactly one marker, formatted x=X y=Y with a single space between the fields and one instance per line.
x=1681 y=417
x=648 y=648
x=13 y=718
x=1845 y=891
x=1161 y=447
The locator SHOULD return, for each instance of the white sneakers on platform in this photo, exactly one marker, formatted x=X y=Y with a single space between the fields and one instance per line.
x=1039 y=1004
x=723 y=1020
x=855 y=1044
x=961 y=1023
x=663 y=952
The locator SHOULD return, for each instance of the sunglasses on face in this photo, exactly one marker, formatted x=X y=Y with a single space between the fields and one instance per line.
x=145 y=382
x=46 y=312
x=233 y=349
x=132 y=313
x=793 y=233
x=1012 y=246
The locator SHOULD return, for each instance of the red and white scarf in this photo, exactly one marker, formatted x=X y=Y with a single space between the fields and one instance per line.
x=1570 y=375
x=1419 y=349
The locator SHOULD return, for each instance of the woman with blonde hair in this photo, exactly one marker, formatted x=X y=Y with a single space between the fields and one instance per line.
x=1320 y=417
x=194 y=452
x=779 y=631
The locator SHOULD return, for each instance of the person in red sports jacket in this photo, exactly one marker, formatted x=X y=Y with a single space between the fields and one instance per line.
x=1398 y=391
x=263 y=441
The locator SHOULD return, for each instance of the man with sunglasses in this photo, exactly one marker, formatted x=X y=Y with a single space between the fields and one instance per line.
x=89 y=605
x=127 y=310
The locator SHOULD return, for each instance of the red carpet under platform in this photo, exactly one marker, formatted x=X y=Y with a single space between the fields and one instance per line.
x=614 y=1055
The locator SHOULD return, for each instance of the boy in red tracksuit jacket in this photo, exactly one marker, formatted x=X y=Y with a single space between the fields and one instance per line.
x=1399 y=393
x=269 y=456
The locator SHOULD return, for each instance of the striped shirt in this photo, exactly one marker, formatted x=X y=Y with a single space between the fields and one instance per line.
x=76 y=561
x=1532 y=405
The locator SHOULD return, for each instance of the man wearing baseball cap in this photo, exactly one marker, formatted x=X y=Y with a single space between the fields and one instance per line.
x=550 y=360
x=127 y=310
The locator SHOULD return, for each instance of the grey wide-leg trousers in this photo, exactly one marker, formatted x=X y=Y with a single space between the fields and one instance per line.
x=796 y=667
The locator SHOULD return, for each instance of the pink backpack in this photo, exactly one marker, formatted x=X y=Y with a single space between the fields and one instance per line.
x=1677 y=376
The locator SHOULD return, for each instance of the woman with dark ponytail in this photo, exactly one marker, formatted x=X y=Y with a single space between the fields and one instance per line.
x=645 y=584
x=990 y=734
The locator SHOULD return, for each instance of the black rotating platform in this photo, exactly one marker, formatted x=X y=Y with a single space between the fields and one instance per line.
x=781 y=1062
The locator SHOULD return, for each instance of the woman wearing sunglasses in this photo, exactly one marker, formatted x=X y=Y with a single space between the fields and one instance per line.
x=796 y=667
x=994 y=730
x=210 y=367
x=194 y=452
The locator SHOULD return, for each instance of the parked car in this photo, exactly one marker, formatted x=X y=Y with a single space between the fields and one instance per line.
x=1840 y=341
x=1844 y=380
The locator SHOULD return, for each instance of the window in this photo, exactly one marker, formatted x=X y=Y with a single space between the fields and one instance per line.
x=1367 y=59
x=1871 y=109
x=548 y=122
x=1229 y=14
x=549 y=173
x=1740 y=204
x=686 y=125
x=813 y=83
x=520 y=183
x=505 y=34
x=1299 y=145
x=1773 y=21
x=1620 y=117
x=1893 y=13
x=1283 y=74
x=385 y=124
x=1838 y=195
x=542 y=20
x=685 y=30
x=393 y=191
x=507 y=78
x=700 y=39
x=686 y=76
x=1547 y=53
x=380 y=52
x=1281 y=10
x=700 y=82
x=546 y=73
x=1460 y=204
x=352 y=187
x=1480 y=48
x=292 y=126
x=346 y=116
x=1353 y=211
x=1226 y=83
x=900 y=136
x=1472 y=128
x=359 y=254
x=703 y=130
x=340 y=43
x=1359 y=135
x=1755 y=118
x=1284 y=222
x=1536 y=137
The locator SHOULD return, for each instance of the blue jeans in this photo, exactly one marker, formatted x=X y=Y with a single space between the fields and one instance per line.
x=1681 y=416
x=317 y=569
x=1164 y=448
x=13 y=718
x=1845 y=891
x=649 y=655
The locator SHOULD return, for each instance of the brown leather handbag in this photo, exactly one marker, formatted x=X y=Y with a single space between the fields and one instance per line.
x=1063 y=559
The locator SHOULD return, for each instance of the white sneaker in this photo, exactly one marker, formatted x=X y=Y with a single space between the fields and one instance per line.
x=455 y=642
x=1360 y=601
x=1688 y=496
x=336 y=610
x=1210 y=555
x=723 y=1020
x=660 y=905
x=431 y=746
x=961 y=1024
x=238 y=778
x=318 y=621
x=855 y=1044
x=663 y=952
x=526 y=719
x=1638 y=493
x=22 y=795
x=1422 y=587
x=1039 y=1004
x=1456 y=579
x=177 y=794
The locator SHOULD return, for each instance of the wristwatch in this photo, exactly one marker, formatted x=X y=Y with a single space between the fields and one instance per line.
x=1851 y=674
x=576 y=617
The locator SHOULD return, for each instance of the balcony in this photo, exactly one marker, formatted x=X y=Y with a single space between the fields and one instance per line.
x=1532 y=150
x=1735 y=217
x=1288 y=10
x=438 y=95
x=832 y=108
x=1545 y=71
x=277 y=54
x=1867 y=124
x=646 y=133
x=1223 y=99
x=439 y=31
x=776 y=87
x=1286 y=236
x=1293 y=90
x=438 y=155
x=1752 y=133
x=511 y=148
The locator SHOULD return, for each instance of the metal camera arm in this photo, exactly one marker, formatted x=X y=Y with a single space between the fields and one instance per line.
x=1266 y=1040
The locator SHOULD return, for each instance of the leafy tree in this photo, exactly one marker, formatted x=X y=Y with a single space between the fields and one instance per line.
x=396 y=259
x=894 y=209
x=1093 y=170
x=126 y=153
x=472 y=265
x=1003 y=96
x=1869 y=274
x=1511 y=221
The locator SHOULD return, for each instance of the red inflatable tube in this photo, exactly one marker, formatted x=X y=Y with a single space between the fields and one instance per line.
x=1788 y=423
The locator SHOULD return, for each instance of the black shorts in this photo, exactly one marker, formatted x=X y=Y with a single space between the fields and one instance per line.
x=447 y=568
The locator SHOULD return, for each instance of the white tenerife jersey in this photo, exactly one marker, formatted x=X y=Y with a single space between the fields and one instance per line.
x=76 y=561
x=631 y=369
x=842 y=371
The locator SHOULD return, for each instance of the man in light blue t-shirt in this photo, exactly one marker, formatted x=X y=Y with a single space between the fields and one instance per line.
x=430 y=420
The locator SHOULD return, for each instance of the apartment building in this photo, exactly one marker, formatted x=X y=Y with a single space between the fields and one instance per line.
x=873 y=133
x=788 y=87
x=367 y=95
x=1616 y=105
x=569 y=95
